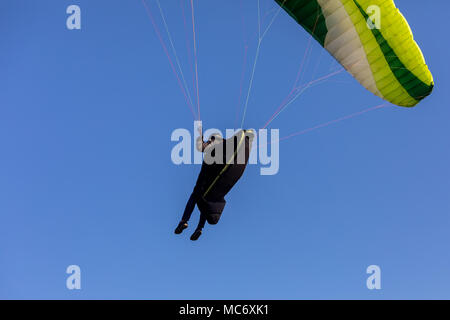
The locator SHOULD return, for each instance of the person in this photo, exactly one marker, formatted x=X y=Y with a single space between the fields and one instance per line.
x=216 y=178
x=201 y=146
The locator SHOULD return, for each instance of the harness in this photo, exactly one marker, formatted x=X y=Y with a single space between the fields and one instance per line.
x=226 y=166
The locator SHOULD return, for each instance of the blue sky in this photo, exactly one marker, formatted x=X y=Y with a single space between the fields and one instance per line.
x=86 y=175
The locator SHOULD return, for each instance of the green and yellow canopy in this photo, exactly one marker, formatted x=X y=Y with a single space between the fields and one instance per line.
x=382 y=55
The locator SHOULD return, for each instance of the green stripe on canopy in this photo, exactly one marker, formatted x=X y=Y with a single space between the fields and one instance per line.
x=416 y=88
x=308 y=13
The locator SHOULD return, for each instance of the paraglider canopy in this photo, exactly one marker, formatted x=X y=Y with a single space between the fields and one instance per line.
x=382 y=56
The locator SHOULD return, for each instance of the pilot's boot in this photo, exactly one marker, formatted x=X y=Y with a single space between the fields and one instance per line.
x=181 y=226
x=197 y=233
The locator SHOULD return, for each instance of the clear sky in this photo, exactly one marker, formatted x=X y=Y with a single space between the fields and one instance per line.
x=86 y=176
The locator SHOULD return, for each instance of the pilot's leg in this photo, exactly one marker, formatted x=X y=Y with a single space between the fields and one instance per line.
x=190 y=206
x=198 y=231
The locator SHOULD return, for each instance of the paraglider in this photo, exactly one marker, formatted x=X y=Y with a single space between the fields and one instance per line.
x=371 y=40
x=223 y=165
